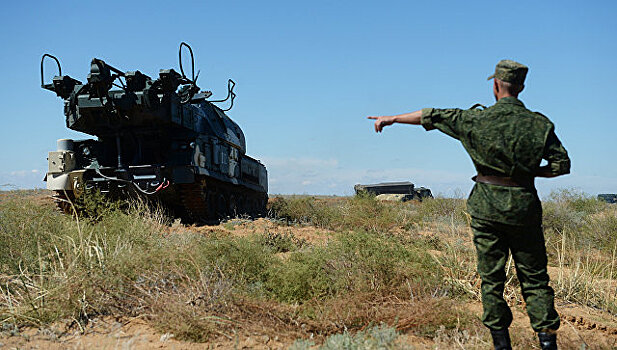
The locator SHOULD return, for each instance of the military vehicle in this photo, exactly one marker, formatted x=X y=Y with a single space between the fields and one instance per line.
x=608 y=197
x=404 y=191
x=160 y=138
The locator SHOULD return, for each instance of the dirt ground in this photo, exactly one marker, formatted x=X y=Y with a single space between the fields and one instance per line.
x=580 y=326
x=241 y=228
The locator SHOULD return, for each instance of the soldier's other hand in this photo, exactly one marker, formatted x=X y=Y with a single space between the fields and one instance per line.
x=381 y=122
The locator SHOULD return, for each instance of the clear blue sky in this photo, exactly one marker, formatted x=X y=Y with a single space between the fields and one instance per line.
x=309 y=72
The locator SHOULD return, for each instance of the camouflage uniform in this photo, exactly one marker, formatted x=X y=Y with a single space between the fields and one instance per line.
x=507 y=140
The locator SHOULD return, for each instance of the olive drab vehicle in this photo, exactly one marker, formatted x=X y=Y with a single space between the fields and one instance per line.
x=403 y=190
x=162 y=138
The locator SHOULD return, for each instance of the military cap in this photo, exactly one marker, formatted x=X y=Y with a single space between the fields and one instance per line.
x=510 y=71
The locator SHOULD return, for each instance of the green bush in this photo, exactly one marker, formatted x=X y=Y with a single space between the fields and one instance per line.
x=569 y=210
x=591 y=221
x=364 y=212
x=53 y=266
x=354 y=262
x=281 y=242
x=381 y=337
x=242 y=260
x=578 y=201
x=360 y=212
x=601 y=231
x=450 y=210
x=304 y=210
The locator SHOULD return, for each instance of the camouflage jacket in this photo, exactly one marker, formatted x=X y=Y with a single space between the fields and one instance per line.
x=505 y=139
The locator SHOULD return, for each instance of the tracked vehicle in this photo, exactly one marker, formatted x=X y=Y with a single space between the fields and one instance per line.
x=161 y=138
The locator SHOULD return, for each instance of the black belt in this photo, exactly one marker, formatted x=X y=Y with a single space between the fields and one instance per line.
x=501 y=181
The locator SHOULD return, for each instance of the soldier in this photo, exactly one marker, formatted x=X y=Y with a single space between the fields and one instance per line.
x=506 y=143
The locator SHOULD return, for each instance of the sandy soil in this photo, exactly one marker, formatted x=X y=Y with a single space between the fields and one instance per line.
x=580 y=325
x=241 y=228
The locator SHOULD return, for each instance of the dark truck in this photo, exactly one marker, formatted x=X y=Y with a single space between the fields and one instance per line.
x=608 y=197
x=162 y=138
x=407 y=190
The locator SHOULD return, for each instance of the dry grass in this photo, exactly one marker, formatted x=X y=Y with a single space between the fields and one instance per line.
x=408 y=267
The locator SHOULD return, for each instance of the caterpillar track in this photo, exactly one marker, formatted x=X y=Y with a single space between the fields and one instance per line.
x=207 y=201
x=63 y=200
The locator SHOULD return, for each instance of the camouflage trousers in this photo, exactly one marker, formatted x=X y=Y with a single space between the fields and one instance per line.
x=493 y=241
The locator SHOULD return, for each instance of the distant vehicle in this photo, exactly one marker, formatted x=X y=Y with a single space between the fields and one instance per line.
x=608 y=197
x=161 y=138
x=407 y=189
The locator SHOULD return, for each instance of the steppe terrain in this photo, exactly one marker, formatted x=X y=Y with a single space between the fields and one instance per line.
x=318 y=273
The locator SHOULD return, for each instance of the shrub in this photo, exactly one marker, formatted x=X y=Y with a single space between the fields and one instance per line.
x=361 y=212
x=281 y=242
x=53 y=267
x=380 y=337
x=304 y=210
x=354 y=262
x=449 y=210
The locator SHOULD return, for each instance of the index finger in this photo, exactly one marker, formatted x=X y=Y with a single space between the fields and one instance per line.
x=372 y=117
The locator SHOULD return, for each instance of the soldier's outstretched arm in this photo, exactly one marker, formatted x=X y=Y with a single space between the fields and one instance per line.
x=406 y=118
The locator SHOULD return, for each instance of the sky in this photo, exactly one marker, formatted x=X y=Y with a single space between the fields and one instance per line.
x=309 y=72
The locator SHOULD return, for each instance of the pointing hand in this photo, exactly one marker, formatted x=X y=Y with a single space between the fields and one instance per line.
x=381 y=122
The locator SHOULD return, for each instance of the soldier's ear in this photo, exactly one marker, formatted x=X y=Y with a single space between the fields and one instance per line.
x=495 y=85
